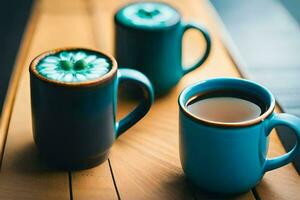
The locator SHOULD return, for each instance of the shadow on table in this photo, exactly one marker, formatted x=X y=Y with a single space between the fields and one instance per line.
x=189 y=189
x=24 y=158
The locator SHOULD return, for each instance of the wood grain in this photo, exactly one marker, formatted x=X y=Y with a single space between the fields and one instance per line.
x=23 y=174
x=94 y=183
x=152 y=143
x=15 y=77
x=145 y=160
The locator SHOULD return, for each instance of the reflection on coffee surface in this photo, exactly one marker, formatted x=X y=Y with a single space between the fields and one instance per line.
x=74 y=66
x=149 y=14
x=224 y=109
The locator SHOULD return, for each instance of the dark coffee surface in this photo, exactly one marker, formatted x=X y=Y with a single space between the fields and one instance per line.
x=230 y=93
x=226 y=106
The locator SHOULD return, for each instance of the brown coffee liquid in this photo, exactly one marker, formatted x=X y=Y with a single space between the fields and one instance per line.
x=226 y=109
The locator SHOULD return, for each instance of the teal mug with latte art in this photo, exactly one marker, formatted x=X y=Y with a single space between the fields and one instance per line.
x=148 y=38
x=74 y=100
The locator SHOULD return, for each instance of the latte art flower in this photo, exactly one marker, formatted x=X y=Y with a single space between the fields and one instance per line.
x=77 y=66
x=149 y=14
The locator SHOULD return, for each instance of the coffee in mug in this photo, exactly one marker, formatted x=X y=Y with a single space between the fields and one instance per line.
x=224 y=124
x=225 y=107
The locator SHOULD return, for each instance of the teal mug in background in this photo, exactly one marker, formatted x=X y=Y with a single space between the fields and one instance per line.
x=148 y=37
x=74 y=101
x=230 y=157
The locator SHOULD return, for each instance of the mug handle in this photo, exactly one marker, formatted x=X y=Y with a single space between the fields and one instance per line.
x=293 y=123
x=140 y=111
x=208 y=45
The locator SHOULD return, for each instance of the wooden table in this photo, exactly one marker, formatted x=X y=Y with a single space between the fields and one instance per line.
x=144 y=162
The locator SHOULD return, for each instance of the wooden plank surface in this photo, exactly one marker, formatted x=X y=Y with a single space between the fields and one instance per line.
x=219 y=64
x=144 y=162
x=23 y=174
x=15 y=77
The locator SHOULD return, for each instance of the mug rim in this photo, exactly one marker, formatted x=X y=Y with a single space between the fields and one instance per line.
x=106 y=77
x=121 y=22
x=182 y=105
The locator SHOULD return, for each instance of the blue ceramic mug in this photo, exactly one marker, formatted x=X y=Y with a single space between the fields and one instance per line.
x=149 y=38
x=230 y=157
x=73 y=101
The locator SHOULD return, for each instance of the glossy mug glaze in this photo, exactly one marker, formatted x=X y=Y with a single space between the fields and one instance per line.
x=149 y=38
x=73 y=101
x=230 y=157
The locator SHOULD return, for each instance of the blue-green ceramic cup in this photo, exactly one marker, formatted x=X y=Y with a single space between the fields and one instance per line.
x=73 y=100
x=148 y=37
x=230 y=157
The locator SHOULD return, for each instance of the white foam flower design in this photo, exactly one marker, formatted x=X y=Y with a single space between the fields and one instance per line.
x=73 y=66
x=149 y=14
